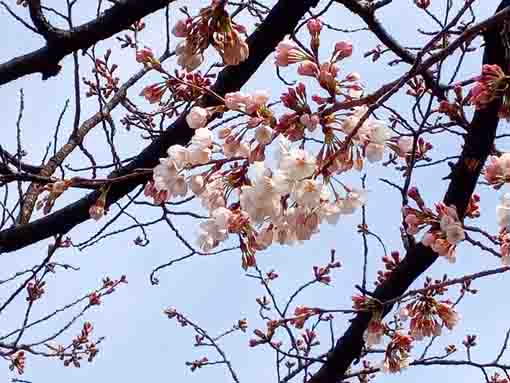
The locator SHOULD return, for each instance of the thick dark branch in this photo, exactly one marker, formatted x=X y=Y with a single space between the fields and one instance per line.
x=281 y=21
x=477 y=147
x=40 y=22
x=62 y=43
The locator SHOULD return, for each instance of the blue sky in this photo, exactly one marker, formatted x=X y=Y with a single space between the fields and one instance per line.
x=141 y=343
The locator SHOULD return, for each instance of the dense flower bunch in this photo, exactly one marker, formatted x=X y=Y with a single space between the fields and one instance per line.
x=429 y=316
x=492 y=83
x=283 y=200
x=390 y=263
x=213 y=26
x=445 y=228
x=181 y=87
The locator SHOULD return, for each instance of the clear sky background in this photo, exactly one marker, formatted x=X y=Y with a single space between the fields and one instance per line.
x=141 y=343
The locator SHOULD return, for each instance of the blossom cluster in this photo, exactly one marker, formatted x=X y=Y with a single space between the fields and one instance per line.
x=264 y=200
x=445 y=228
x=181 y=87
x=491 y=84
x=427 y=315
x=213 y=26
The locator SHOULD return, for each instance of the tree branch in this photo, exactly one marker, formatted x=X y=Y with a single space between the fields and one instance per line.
x=40 y=22
x=61 y=43
x=280 y=22
x=477 y=147
x=367 y=13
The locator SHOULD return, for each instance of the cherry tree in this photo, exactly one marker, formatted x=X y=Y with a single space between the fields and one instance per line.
x=169 y=133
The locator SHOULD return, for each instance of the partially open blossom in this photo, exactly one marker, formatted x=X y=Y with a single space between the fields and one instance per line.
x=397 y=352
x=181 y=28
x=288 y=52
x=235 y=100
x=308 y=68
x=301 y=315
x=451 y=225
x=492 y=83
x=447 y=313
x=308 y=193
x=236 y=51
x=97 y=210
x=378 y=136
x=473 y=209
x=202 y=138
x=256 y=100
x=446 y=228
x=343 y=49
x=179 y=155
x=196 y=184
x=145 y=56
x=153 y=93
x=353 y=76
x=180 y=187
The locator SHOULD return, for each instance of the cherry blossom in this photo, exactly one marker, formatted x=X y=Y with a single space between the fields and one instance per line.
x=429 y=315
x=503 y=211
x=213 y=26
x=446 y=230
x=396 y=357
x=497 y=171
x=197 y=117
x=288 y=52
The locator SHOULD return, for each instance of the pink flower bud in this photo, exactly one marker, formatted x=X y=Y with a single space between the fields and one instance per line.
x=180 y=29
x=308 y=68
x=343 y=49
x=145 y=55
x=423 y=4
x=314 y=26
